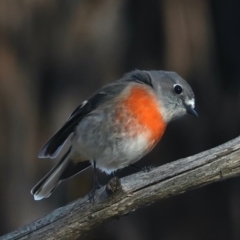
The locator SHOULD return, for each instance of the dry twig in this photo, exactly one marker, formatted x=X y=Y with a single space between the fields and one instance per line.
x=138 y=190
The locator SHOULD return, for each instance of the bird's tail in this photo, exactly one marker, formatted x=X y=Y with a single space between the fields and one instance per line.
x=66 y=168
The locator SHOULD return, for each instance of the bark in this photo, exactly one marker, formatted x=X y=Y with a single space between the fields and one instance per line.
x=137 y=190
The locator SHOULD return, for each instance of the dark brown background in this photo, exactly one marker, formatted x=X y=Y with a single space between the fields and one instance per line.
x=54 y=54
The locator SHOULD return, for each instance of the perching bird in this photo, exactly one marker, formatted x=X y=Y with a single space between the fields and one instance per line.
x=116 y=126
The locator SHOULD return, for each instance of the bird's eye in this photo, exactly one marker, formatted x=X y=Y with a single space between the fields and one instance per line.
x=177 y=89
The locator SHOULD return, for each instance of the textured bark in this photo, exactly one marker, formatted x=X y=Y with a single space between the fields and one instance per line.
x=138 y=190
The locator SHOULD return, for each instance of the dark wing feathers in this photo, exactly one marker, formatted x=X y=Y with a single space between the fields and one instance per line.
x=107 y=93
x=55 y=144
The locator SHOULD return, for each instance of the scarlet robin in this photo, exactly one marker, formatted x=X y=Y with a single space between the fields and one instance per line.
x=117 y=125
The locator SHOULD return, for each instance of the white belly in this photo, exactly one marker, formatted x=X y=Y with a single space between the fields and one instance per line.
x=126 y=153
x=97 y=140
x=114 y=156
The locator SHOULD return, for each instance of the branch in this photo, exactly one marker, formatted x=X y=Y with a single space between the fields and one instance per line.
x=138 y=190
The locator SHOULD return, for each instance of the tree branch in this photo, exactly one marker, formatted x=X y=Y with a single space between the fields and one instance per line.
x=138 y=190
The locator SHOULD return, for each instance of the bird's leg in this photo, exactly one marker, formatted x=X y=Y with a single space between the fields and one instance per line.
x=96 y=184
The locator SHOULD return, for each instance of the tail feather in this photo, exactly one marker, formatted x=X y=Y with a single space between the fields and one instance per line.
x=63 y=170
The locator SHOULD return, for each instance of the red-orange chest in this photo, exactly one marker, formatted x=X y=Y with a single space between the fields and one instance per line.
x=141 y=111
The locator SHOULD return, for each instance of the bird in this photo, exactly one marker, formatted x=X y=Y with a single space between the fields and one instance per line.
x=117 y=126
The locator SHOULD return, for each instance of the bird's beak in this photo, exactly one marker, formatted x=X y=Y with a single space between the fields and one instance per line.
x=191 y=110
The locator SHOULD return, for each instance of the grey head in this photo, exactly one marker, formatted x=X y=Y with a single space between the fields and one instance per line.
x=175 y=94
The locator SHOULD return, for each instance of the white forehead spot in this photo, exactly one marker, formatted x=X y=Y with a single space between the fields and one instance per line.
x=190 y=102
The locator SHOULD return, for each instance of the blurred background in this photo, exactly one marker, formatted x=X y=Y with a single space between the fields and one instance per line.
x=54 y=54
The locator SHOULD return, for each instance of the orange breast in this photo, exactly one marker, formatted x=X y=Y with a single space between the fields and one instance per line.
x=142 y=105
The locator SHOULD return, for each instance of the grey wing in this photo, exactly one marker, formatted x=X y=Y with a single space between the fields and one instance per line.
x=55 y=143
